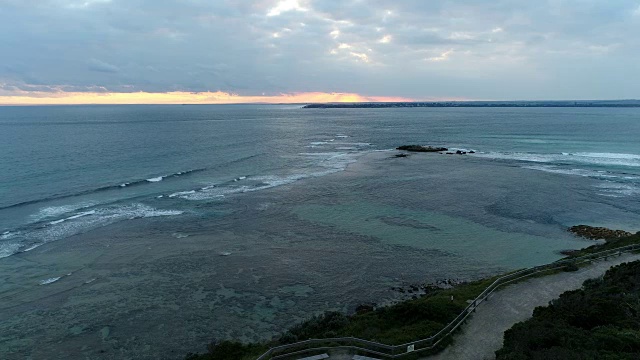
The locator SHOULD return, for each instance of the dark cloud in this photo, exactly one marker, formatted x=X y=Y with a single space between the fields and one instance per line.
x=415 y=48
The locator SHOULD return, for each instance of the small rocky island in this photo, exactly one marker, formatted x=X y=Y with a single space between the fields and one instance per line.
x=431 y=149
x=420 y=148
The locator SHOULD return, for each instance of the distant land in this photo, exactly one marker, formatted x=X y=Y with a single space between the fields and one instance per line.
x=566 y=103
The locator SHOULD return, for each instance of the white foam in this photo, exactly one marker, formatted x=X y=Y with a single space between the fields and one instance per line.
x=323 y=163
x=359 y=144
x=56 y=211
x=77 y=224
x=316 y=143
x=182 y=193
x=603 y=159
x=50 y=280
x=617 y=190
x=86 y=213
x=31 y=247
x=608 y=155
x=155 y=179
x=342 y=136
x=8 y=235
x=8 y=248
x=574 y=172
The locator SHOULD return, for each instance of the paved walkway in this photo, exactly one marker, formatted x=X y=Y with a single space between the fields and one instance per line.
x=482 y=334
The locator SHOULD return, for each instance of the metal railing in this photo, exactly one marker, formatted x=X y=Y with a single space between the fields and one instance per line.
x=318 y=346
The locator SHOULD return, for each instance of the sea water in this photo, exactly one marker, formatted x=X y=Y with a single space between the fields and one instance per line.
x=155 y=222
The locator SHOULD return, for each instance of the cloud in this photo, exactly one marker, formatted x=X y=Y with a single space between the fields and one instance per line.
x=503 y=49
x=442 y=57
x=285 y=6
x=101 y=66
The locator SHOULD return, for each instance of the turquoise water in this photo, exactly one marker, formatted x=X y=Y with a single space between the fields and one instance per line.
x=149 y=231
x=432 y=231
x=71 y=169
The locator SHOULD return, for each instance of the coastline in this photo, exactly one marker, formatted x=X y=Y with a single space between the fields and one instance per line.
x=426 y=315
x=126 y=276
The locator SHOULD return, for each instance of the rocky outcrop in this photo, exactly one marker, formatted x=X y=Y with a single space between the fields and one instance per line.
x=365 y=308
x=598 y=233
x=420 y=148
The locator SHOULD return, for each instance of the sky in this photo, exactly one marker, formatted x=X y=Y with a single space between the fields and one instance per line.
x=293 y=51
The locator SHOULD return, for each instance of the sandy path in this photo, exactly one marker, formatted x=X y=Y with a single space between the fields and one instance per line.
x=482 y=335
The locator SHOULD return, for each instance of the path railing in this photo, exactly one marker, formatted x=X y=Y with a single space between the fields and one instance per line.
x=317 y=346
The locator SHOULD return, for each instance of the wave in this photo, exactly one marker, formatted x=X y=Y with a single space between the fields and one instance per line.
x=56 y=211
x=577 y=172
x=324 y=163
x=29 y=238
x=50 y=280
x=99 y=189
x=597 y=159
x=612 y=189
x=87 y=213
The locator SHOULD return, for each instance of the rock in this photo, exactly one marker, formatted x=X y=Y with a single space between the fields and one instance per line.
x=598 y=233
x=569 y=252
x=460 y=152
x=401 y=155
x=472 y=152
x=420 y=148
x=449 y=153
x=365 y=308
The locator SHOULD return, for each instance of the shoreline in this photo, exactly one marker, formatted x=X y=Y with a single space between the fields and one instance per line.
x=293 y=258
x=397 y=328
x=482 y=104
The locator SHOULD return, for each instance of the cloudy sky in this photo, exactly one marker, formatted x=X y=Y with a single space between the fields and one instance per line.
x=154 y=51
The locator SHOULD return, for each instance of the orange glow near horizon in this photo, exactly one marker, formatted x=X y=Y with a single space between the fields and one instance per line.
x=179 y=97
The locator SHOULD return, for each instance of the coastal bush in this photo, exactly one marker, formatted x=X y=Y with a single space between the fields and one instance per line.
x=395 y=324
x=609 y=245
x=599 y=321
x=229 y=350
x=609 y=321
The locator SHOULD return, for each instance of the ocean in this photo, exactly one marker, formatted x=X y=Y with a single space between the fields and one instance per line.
x=148 y=231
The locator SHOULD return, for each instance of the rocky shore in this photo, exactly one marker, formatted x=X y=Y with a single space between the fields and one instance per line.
x=420 y=148
x=430 y=149
x=598 y=233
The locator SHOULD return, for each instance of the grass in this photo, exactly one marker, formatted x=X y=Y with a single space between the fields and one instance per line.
x=608 y=245
x=396 y=324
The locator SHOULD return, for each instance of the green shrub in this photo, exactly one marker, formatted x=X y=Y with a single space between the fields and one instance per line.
x=599 y=321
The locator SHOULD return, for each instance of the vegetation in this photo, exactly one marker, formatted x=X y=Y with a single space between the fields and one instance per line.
x=599 y=321
x=395 y=324
x=608 y=245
